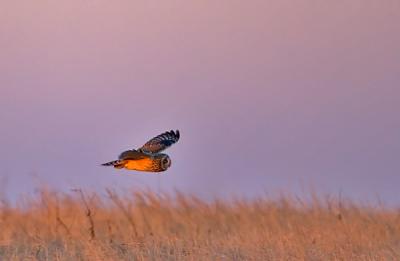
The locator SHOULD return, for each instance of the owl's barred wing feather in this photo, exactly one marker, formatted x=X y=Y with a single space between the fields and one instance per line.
x=132 y=154
x=160 y=142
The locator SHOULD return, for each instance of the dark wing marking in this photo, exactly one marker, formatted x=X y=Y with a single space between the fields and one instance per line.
x=113 y=163
x=160 y=142
x=132 y=154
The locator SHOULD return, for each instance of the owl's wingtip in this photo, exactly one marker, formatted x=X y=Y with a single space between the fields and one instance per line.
x=174 y=133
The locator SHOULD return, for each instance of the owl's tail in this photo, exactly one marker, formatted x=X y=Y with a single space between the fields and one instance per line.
x=118 y=164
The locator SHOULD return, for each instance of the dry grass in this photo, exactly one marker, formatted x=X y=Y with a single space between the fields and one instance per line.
x=146 y=226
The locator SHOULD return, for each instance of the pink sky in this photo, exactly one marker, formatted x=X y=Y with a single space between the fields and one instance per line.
x=269 y=96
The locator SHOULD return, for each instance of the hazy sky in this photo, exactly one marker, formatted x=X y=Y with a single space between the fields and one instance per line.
x=269 y=96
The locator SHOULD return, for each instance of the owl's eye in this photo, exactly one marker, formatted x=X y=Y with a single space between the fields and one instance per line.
x=165 y=161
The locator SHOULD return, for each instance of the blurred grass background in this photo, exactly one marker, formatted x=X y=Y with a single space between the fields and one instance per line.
x=143 y=225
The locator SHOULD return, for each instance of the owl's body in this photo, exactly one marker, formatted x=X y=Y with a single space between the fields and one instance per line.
x=149 y=163
x=146 y=164
x=148 y=157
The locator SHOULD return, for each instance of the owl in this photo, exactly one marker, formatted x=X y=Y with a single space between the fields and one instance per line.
x=148 y=157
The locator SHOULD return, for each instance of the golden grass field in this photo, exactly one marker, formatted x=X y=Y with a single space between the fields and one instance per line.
x=147 y=226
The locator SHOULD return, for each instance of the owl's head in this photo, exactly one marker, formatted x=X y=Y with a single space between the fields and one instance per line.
x=165 y=162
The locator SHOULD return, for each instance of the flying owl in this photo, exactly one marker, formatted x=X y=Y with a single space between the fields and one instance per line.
x=148 y=157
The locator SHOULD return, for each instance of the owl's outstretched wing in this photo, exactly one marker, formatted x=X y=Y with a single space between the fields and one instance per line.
x=160 y=142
